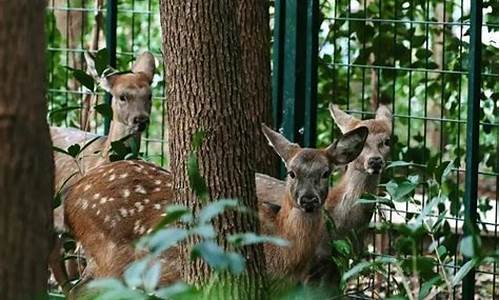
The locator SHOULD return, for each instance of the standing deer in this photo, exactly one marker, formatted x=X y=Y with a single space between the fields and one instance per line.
x=115 y=204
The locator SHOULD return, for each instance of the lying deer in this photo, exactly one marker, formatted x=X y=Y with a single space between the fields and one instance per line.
x=131 y=106
x=362 y=176
x=117 y=203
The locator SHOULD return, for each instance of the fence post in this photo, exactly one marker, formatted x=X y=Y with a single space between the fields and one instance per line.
x=111 y=22
x=473 y=118
x=295 y=53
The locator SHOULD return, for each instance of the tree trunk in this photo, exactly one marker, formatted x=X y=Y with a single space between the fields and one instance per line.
x=206 y=91
x=253 y=20
x=26 y=167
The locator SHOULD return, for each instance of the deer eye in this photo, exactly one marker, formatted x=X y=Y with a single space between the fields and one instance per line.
x=291 y=174
x=123 y=98
x=387 y=142
x=326 y=174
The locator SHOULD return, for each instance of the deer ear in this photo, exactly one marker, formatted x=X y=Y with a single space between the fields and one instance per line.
x=107 y=77
x=348 y=147
x=285 y=149
x=343 y=120
x=145 y=64
x=383 y=113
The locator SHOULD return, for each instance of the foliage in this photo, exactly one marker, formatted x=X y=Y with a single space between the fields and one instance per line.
x=411 y=272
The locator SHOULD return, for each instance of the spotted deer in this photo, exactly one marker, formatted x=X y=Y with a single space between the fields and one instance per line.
x=362 y=176
x=116 y=203
x=131 y=106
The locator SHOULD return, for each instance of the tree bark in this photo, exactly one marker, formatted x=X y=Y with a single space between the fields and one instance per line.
x=206 y=91
x=26 y=167
x=253 y=20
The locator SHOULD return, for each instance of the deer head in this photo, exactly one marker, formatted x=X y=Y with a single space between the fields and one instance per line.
x=377 y=147
x=308 y=170
x=131 y=92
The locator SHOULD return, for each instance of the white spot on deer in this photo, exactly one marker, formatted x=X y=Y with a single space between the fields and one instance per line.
x=140 y=189
x=124 y=175
x=142 y=229
x=107 y=218
x=157 y=189
x=146 y=201
x=86 y=187
x=112 y=177
x=93 y=205
x=113 y=223
x=123 y=212
x=157 y=206
x=103 y=200
x=98 y=212
x=131 y=211
x=111 y=199
x=110 y=171
x=145 y=172
x=139 y=206
x=125 y=193
x=96 y=196
x=157 y=181
x=169 y=185
x=85 y=204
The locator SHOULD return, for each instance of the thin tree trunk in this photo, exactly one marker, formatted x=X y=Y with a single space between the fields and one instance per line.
x=253 y=20
x=26 y=167
x=206 y=92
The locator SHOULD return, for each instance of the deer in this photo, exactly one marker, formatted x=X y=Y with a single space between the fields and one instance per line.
x=361 y=176
x=115 y=204
x=131 y=106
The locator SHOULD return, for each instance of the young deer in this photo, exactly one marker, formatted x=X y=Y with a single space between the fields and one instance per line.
x=117 y=203
x=362 y=176
x=131 y=106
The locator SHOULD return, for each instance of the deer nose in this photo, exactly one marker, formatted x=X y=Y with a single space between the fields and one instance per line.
x=309 y=202
x=141 y=122
x=375 y=163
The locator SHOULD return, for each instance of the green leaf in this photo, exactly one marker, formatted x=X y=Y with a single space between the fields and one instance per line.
x=371 y=199
x=401 y=188
x=342 y=247
x=105 y=110
x=174 y=290
x=205 y=230
x=423 y=53
x=133 y=273
x=106 y=283
x=216 y=258
x=101 y=61
x=398 y=163
x=152 y=277
x=215 y=208
x=467 y=247
x=426 y=287
x=173 y=214
x=163 y=239
x=83 y=78
x=357 y=269
x=196 y=181
x=250 y=238
x=463 y=271
x=198 y=138
x=57 y=149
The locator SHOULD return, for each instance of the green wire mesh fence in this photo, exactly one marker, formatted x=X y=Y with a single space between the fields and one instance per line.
x=411 y=54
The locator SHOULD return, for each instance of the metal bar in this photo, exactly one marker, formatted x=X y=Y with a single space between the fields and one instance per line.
x=111 y=21
x=279 y=17
x=472 y=155
x=311 y=80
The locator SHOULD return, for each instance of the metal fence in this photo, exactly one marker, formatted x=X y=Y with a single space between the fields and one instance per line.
x=425 y=58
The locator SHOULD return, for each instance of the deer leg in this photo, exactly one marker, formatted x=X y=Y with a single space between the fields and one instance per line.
x=56 y=264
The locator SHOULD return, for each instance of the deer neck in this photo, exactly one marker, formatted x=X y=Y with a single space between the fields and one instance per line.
x=299 y=228
x=117 y=131
x=345 y=210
